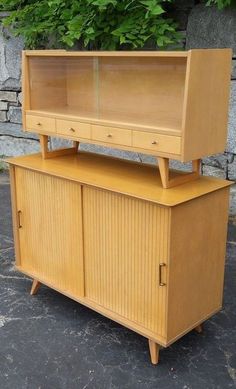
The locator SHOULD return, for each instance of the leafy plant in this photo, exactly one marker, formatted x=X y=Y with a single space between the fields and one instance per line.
x=221 y=3
x=96 y=24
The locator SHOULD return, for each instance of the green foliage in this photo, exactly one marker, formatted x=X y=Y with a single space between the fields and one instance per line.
x=221 y=3
x=96 y=24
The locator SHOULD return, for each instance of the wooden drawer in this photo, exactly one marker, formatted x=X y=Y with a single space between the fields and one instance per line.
x=157 y=142
x=40 y=123
x=112 y=135
x=71 y=128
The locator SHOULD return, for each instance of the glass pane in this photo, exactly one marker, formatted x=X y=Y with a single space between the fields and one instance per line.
x=140 y=91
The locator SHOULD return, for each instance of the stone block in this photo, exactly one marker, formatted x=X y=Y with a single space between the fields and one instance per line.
x=10 y=61
x=58 y=143
x=231 y=143
x=3 y=106
x=233 y=75
x=218 y=160
x=209 y=27
x=128 y=155
x=14 y=115
x=15 y=130
x=232 y=203
x=20 y=98
x=186 y=167
x=12 y=147
x=213 y=171
x=8 y=96
x=232 y=169
x=3 y=116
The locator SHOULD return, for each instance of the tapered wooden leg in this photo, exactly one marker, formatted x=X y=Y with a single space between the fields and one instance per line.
x=154 y=351
x=35 y=287
x=169 y=181
x=164 y=171
x=199 y=329
x=46 y=153
x=44 y=145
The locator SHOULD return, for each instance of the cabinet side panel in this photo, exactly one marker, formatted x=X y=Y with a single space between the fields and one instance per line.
x=25 y=87
x=51 y=233
x=206 y=103
x=197 y=258
x=125 y=239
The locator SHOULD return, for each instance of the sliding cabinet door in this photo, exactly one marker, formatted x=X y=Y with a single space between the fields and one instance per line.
x=126 y=239
x=50 y=230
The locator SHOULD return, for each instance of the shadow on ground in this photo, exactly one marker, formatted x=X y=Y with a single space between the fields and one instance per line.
x=51 y=342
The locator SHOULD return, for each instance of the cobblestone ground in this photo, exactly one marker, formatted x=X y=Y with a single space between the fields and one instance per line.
x=51 y=342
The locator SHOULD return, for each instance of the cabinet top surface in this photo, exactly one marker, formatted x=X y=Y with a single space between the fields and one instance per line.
x=64 y=53
x=126 y=177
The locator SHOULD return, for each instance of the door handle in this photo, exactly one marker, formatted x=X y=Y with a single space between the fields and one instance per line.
x=161 y=265
x=19 y=219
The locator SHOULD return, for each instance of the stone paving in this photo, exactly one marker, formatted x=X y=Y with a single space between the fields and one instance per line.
x=51 y=342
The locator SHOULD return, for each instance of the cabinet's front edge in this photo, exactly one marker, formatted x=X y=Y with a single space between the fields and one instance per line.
x=14 y=214
x=99 y=309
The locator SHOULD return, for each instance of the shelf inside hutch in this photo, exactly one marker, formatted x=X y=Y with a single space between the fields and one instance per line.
x=139 y=91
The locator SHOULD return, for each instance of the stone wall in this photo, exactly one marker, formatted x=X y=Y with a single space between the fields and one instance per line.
x=201 y=27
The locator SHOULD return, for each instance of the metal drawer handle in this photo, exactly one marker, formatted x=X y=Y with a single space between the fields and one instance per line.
x=160 y=274
x=72 y=129
x=19 y=219
x=154 y=142
x=109 y=135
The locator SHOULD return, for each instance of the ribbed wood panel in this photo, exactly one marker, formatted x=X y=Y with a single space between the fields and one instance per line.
x=125 y=239
x=51 y=233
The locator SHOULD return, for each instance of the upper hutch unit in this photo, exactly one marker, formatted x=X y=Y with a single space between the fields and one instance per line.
x=169 y=104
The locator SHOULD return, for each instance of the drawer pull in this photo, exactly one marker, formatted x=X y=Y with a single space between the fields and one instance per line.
x=160 y=274
x=72 y=129
x=154 y=142
x=109 y=135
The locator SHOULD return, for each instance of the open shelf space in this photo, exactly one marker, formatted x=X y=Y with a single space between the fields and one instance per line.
x=133 y=92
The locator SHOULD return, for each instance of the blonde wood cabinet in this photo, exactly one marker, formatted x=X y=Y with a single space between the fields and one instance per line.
x=168 y=104
x=105 y=233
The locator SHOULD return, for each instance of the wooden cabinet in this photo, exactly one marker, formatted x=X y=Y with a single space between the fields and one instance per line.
x=168 y=104
x=105 y=233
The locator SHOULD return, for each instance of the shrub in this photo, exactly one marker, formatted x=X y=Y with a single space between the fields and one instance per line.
x=95 y=24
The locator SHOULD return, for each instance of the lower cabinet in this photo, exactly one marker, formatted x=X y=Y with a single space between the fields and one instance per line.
x=155 y=268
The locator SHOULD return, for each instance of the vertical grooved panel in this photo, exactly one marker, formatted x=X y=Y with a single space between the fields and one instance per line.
x=125 y=239
x=51 y=234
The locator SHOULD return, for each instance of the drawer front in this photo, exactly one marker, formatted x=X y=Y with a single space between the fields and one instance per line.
x=157 y=142
x=71 y=128
x=40 y=123
x=112 y=135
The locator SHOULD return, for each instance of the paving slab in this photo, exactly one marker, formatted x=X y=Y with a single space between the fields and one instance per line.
x=48 y=341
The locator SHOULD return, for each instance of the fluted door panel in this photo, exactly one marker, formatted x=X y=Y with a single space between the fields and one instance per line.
x=125 y=240
x=50 y=232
